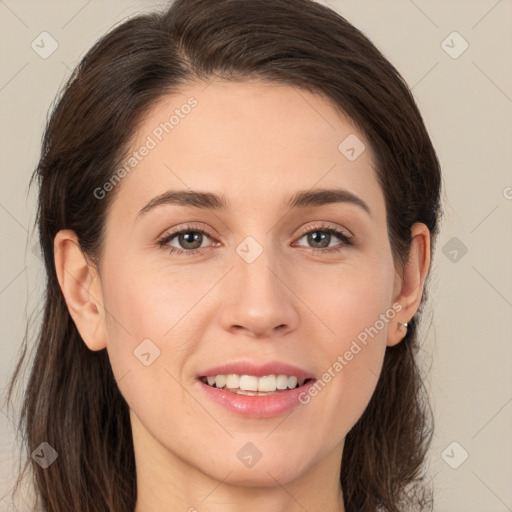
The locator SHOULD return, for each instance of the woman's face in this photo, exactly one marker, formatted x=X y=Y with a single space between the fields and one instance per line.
x=268 y=284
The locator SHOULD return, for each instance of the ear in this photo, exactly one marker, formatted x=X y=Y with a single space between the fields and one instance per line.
x=409 y=286
x=81 y=287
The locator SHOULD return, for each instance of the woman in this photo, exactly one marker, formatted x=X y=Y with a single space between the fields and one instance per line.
x=238 y=206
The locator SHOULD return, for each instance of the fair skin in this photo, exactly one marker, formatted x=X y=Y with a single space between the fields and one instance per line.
x=256 y=145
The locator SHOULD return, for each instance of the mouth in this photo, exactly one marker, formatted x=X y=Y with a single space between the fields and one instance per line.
x=265 y=390
x=252 y=385
x=256 y=389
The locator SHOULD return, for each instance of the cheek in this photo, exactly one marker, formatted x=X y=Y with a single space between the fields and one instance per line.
x=347 y=299
x=136 y=320
x=143 y=303
x=149 y=324
x=351 y=367
x=144 y=332
x=355 y=313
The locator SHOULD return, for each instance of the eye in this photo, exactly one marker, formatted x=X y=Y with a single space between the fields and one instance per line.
x=189 y=237
x=320 y=237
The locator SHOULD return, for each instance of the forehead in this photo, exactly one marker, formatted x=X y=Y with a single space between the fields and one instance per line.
x=251 y=142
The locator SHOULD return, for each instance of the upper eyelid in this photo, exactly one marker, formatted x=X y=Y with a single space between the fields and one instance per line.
x=326 y=226
x=184 y=229
x=307 y=229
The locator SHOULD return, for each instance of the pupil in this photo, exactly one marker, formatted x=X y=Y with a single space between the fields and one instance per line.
x=314 y=238
x=191 y=237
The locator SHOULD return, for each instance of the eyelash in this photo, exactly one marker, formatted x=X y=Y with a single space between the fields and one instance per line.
x=347 y=240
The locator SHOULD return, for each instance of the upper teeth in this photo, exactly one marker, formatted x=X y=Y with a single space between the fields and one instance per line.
x=252 y=383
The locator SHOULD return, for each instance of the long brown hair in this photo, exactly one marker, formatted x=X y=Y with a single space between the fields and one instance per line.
x=71 y=399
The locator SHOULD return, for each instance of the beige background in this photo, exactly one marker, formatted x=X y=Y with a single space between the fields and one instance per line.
x=467 y=106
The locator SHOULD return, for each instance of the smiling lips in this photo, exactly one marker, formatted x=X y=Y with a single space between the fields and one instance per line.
x=255 y=390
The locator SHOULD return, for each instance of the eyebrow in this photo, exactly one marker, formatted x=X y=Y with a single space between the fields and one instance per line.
x=210 y=201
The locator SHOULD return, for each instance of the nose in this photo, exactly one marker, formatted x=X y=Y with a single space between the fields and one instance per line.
x=258 y=300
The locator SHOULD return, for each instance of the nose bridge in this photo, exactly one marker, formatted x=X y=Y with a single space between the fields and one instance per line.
x=255 y=271
x=259 y=300
x=257 y=278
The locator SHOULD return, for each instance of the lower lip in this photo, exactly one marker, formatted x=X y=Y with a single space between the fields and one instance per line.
x=257 y=406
